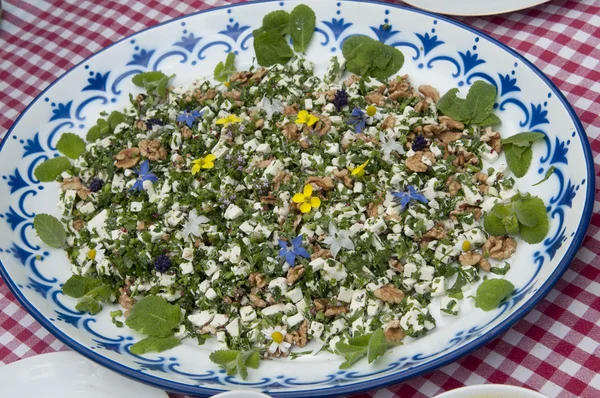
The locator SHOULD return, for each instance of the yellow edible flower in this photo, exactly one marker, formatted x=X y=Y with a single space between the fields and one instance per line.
x=227 y=84
x=360 y=170
x=206 y=162
x=277 y=337
x=229 y=120
x=466 y=246
x=306 y=118
x=307 y=202
x=92 y=254
x=371 y=110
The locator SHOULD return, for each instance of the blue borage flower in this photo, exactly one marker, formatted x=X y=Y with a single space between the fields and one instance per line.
x=96 y=185
x=144 y=174
x=290 y=252
x=189 y=117
x=358 y=119
x=411 y=194
x=162 y=263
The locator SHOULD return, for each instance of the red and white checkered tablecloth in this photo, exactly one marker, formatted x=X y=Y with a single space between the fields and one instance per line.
x=555 y=349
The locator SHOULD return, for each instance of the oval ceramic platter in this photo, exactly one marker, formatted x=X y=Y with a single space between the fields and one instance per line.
x=438 y=51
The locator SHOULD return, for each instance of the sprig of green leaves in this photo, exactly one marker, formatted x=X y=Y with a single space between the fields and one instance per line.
x=476 y=108
x=491 y=292
x=518 y=151
x=223 y=71
x=370 y=57
x=270 y=44
x=234 y=361
x=154 y=344
x=155 y=83
x=525 y=215
x=105 y=127
x=372 y=345
x=90 y=291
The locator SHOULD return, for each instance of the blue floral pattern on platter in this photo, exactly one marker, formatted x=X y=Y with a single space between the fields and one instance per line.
x=429 y=50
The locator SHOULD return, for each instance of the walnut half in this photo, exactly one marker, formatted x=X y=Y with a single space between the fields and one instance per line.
x=390 y=294
x=127 y=158
x=500 y=247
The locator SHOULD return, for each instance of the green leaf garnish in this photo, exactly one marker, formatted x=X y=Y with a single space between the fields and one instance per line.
x=142 y=79
x=50 y=169
x=78 y=286
x=491 y=292
x=50 y=230
x=302 y=26
x=525 y=215
x=271 y=48
x=88 y=304
x=114 y=119
x=546 y=176
x=154 y=344
x=100 y=293
x=278 y=21
x=518 y=151
x=154 y=316
x=476 y=108
x=223 y=71
x=70 y=145
x=371 y=345
x=236 y=361
x=369 y=57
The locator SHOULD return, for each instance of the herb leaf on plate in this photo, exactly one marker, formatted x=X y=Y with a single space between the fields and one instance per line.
x=369 y=57
x=50 y=230
x=78 y=286
x=50 y=169
x=154 y=316
x=476 y=108
x=154 y=344
x=271 y=48
x=70 y=145
x=302 y=26
x=491 y=292
x=223 y=71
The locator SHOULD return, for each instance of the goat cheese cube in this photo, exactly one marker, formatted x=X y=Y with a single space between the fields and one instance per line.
x=201 y=319
x=219 y=320
x=186 y=268
x=233 y=327
x=247 y=314
x=449 y=306
x=438 y=286
x=345 y=294
x=295 y=295
x=273 y=309
x=204 y=285
x=359 y=299
x=280 y=283
x=211 y=294
x=295 y=320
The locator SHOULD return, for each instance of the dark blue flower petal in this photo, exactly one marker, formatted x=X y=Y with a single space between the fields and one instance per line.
x=290 y=258
x=283 y=252
x=297 y=241
x=283 y=244
x=144 y=168
x=405 y=201
x=302 y=252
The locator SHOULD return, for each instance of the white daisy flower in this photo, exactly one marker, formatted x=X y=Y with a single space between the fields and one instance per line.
x=277 y=336
x=97 y=253
x=389 y=145
x=192 y=226
x=338 y=239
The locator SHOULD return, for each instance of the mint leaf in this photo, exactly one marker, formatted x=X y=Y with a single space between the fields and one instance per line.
x=100 y=130
x=360 y=341
x=535 y=234
x=223 y=71
x=114 y=119
x=518 y=160
x=154 y=344
x=476 y=108
x=88 y=304
x=533 y=218
x=546 y=176
x=351 y=358
x=369 y=57
x=50 y=230
x=142 y=79
x=78 y=286
x=493 y=225
x=277 y=20
x=491 y=292
x=100 y=293
x=523 y=139
x=377 y=345
x=50 y=169
x=70 y=145
x=154 y=316
x=246 y=358
x=253 y=360
x=221 y=357
x=302 y=26
x=271 y=48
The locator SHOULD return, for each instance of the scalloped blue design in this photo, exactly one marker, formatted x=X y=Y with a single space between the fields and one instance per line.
x=16 y=182
x=428 y=42
x=337 y=26
x=234 y=31
x=463 y=66
x=33 y=145
x=97 y=82
x=141 y=59
x=384 y=32
x=62 y=111
x=188 y=42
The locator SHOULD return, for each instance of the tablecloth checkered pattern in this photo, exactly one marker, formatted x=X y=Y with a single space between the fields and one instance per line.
x=555 y=349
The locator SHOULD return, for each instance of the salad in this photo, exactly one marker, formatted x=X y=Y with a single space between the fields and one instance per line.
x=283 y=213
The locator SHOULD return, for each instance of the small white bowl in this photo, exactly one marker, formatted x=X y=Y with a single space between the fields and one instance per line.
x=491 y=391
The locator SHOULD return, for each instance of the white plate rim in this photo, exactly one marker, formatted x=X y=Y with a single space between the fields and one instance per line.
x=379 y=382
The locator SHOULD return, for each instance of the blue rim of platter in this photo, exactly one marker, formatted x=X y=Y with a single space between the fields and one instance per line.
x=381 y=381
